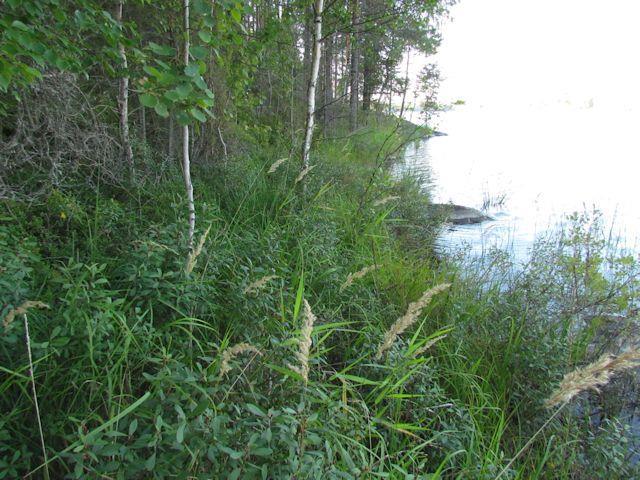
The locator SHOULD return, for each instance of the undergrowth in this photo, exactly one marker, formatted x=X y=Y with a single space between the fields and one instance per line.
x=135 y=366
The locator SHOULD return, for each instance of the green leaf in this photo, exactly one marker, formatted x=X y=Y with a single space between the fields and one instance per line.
x=151 y=462
x=199 y=52
x=161 y=109
x=255 y=410
x=163 y=50
x=262 y=451
x=20 y=26
x=184 y=89
x=192 y=70
x=5 y=79
x=148 y=100
x=200 y=83
x=236 y=15
x=180 y=433
x=234 y=454
x=172 y=96
x=183 y=118
x=198 y=115
x=133 y=426
x=205 y=36
x=153 y=71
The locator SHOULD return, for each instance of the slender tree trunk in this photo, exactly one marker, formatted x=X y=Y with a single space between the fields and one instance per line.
x=328 y=82
x=171 y=134
x=354 y=71
x=406 y=85
x=123 y=99
x=369 y=55
x=313 y=80
x=186 y=162
x=143 y=123
x=307 y=42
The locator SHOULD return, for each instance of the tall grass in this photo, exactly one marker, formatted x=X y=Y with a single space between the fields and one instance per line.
x=147 y=368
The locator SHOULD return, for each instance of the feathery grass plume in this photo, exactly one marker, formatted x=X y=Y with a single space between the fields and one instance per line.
x=258 y=284
x=304 y=172
x=593 y=376
x=304 y=343
x=232 y=352
x=428 y=345
x=382 y=201
x=409 y=318
x=274 y=166
x=21 y=310
x=195 y=253
x=352 y=277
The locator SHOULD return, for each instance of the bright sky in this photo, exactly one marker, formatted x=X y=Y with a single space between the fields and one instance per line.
x=498 y=52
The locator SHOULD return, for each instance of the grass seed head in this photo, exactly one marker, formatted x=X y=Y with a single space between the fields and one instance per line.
x=258 y=284
x=195 y=253
x=593 y=376
x=352 y=277
x=304 y=172
x=385 y=200
x=304 y=343
x=428 y=345
x=274 y=166
x=21 y=310
x=409 y=318
x=232 y=352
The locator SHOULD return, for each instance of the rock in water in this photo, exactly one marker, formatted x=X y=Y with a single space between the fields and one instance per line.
x=458 y=214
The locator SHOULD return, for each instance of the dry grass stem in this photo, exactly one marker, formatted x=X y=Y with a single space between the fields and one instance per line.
x=593 y=376
x=258 y=284
x=352 y=277
x=304 y=172
x=195 y=253
x=385 y=200
x=274 y=166
x=428 y=345
x=21 y=310
x=304 y=343
x=33 y=385
x=232 y=352
x=409 y=318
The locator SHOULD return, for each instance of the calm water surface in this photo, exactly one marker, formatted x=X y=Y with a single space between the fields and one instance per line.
x=540 y=163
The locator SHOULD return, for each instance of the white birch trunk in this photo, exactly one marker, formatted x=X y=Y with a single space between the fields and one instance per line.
x=123 y=99
x=186 y=162
x=313 y=80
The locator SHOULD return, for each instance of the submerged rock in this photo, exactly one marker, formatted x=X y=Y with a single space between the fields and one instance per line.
x=458 y=214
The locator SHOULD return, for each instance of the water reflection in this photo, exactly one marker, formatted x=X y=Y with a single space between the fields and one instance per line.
x=530 y=168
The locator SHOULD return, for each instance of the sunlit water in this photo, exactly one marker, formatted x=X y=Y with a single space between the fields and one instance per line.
x=540 y=163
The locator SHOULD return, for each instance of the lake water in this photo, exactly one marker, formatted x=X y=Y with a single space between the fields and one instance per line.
x=534 y=165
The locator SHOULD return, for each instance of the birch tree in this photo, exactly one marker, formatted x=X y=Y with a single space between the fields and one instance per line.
x=123 y=97
x=313 y=80
x=186 y=161
x=354 y=68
